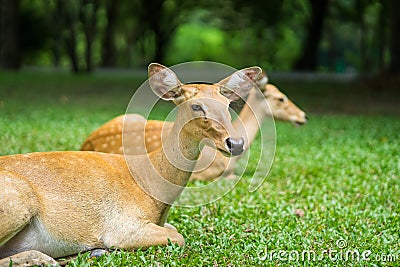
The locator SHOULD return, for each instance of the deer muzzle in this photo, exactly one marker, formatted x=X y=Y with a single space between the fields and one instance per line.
x=235 y=145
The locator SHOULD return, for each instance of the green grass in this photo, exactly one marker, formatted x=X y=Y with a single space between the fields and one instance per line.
x=342 y=169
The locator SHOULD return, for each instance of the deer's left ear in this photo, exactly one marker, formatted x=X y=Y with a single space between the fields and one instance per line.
x=239 y=84
x=164 y=82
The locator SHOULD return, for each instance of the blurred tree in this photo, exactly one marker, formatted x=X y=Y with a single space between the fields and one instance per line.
x=69 y=16
x=79 y=16
x=263 y=19
x=88 y=18
x=160 y=19
x=381 y=34
x=34 y=30
x=364 y=15
x=358 y=34
x=360 y=8
x=143 y=29
x=308 y=58
x=205 y=39
x=57 y=22
x=158 y=22
x=9 y=36
x=109 y=57
x=252 y=30
x=394 y=65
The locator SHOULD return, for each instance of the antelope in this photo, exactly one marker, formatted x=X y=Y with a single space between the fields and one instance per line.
x=108 y=137
x=55 y=204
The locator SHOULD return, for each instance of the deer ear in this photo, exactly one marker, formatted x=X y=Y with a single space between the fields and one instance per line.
x=239 y=84
x=262 y=80
x=164 y=82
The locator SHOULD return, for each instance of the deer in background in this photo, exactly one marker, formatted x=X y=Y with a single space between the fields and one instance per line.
x=55 y=204
x=108 y=137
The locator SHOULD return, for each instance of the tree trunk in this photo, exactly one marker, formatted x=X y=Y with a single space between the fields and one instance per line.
x=89 y=21
x=361 y=7
x=108 y=44
x=57 y=42
x=381 y=36
x=10 y=57
x=308 y=59
x=154 y=16
x=394 y=66
x=161 y=40
x=70 y=43
x=70 y=38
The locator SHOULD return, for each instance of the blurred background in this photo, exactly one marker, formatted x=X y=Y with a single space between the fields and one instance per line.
x=329 y=56
x=340 y=36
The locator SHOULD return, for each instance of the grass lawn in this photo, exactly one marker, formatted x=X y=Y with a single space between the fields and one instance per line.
x=332 y=195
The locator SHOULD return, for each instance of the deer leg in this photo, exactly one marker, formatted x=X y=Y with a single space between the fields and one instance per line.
x=170 y=226
x=153 y=235
x=18 y=205
x=28 y=258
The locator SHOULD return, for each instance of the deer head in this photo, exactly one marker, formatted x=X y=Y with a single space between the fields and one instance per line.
x=281 y=106
x=203 y=108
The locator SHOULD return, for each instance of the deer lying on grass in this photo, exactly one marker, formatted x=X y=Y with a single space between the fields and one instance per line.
x=55 y=204
x=108 y=137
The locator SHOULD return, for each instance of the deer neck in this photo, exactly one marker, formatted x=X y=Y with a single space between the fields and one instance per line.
x=179 y=153
x=251 y=117
x=175 y=160
x=162 y=174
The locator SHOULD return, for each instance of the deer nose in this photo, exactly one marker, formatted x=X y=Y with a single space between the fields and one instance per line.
x=235 y=145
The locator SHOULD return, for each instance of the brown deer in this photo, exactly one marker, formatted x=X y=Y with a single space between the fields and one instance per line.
x=54 y=204
x=108 y=137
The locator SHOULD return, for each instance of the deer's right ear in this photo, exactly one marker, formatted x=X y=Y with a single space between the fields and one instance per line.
x=239 y=84
x=164 y=82
x=262 y=80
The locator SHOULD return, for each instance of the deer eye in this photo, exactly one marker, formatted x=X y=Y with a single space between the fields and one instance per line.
x=196 y=107
x=281 y=99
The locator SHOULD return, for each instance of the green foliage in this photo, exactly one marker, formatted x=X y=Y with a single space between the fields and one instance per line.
x=34 y=29
x=196 y=42
x=235 y=39
x=268 y=33
x=341 y=170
